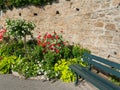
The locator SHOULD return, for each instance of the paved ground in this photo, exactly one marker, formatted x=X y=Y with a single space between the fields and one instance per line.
x=10 y=82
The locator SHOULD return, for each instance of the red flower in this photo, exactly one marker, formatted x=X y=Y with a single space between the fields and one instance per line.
x=44 y=45
x=49 y=36
x=48 y=43
x=3 y=30
x=39 y=42
x=1 y=36
x=53 y=44
x=45 y=36
x=58 y=44
x=38 y=36
x=56 y=36
x=50 y=47
x=57 y=51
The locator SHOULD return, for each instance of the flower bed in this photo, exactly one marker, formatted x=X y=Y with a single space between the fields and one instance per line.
x=47 y=55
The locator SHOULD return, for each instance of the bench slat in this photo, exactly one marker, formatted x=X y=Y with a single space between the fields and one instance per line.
x=106 y=69
x=110 y=63
x=93 y=57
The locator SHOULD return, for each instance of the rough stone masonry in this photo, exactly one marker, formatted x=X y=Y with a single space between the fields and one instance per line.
x=94 y=24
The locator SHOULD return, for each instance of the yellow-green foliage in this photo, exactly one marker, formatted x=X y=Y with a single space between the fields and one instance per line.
x=6 y=64
x=61 y=67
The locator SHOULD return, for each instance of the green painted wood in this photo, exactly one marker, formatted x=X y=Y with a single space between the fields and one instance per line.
x=98 y=77
x=105 y=61
x=106 y=69
x=94 y=78
x=102 y=64
x=87 y=77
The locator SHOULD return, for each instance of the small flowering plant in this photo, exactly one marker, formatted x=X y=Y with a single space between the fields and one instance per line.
x=51 y=42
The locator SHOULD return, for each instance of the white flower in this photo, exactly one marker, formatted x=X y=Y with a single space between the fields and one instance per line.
x=39 y=72
x=45 y=73
x=39 y=65
x=82 y=59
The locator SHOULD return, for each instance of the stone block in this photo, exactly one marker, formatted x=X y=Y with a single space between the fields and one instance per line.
x=99 y=24
x=110 y=26
x=117 y=19
x=99 y=31
x=115 y=2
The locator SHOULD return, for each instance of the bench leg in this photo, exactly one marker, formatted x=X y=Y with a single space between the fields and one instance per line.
x=76 y=81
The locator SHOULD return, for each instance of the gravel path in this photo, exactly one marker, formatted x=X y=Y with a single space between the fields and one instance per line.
x=10 y=82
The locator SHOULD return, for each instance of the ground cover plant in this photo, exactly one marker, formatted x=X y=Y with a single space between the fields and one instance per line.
x=48 y=54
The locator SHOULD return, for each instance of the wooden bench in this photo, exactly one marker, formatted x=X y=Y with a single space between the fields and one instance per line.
x=101 y=65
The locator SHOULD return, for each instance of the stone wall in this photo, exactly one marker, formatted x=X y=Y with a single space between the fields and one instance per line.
x=95 y=24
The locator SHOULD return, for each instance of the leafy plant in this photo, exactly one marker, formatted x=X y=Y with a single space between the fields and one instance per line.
x=62 y=69
x=66 y=52
x=6 y=64
x=12 y=48
x=36 y=54
x=26 y=67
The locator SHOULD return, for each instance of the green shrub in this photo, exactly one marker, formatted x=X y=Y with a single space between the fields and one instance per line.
x=26 y=67
x=66 y=52
x=61 y=68
x=78 y=51
x=5 y=4
x=6 y=64
x=12 y=48
x=47 y=70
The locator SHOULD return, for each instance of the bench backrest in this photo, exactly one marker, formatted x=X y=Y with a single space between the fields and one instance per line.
x=103 y=64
